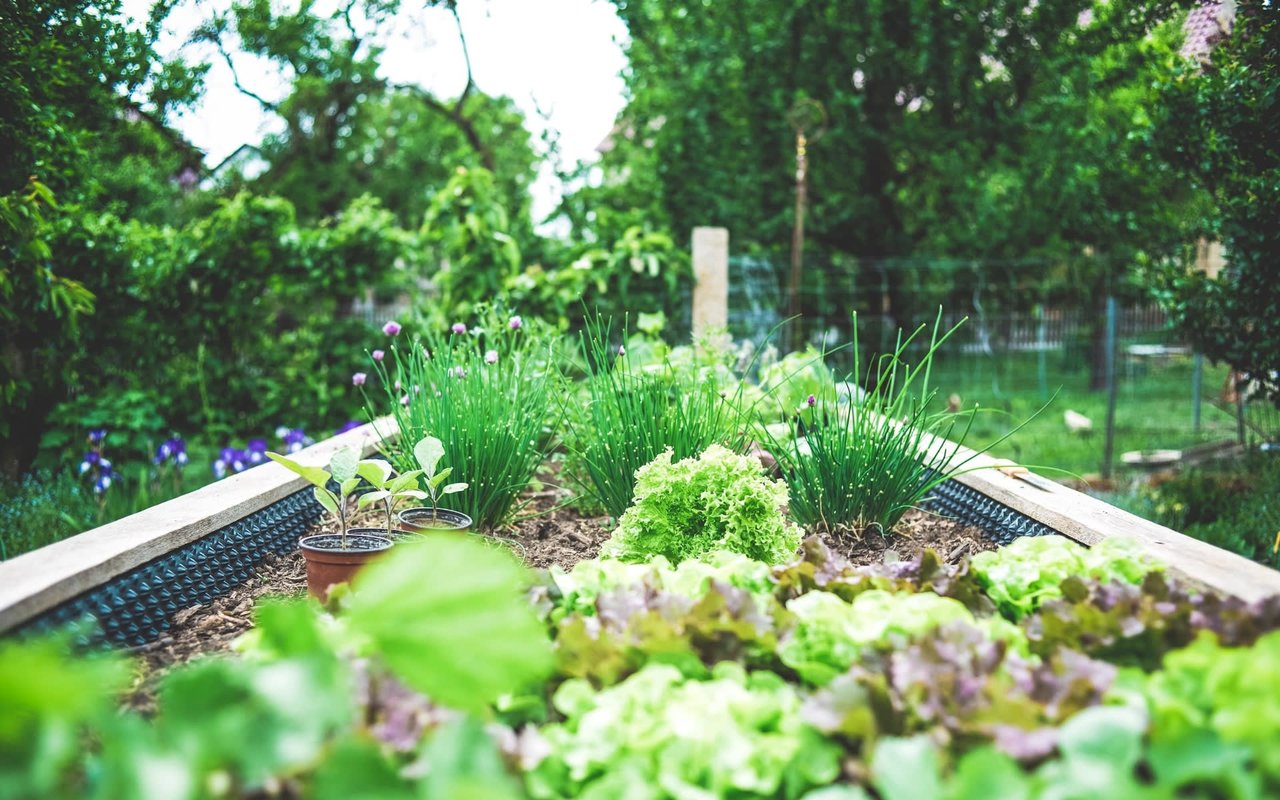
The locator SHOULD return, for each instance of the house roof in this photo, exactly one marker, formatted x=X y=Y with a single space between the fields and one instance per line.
x=1206 y=24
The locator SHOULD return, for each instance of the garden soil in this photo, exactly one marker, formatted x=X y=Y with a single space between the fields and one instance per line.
x=549 y=535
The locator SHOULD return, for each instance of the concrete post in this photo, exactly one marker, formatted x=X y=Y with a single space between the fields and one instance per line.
x=710 y=279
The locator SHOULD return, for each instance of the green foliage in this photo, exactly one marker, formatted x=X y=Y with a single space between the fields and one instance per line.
x=343 y=470
x=718 y=500
x=417 y=626
x=1023 y=575
x=47 y=702
x=40 y=313
x=658 y=736
x=1207 y=690
x=41 y=508
x=643 y=269
x=863 y=461
x=1217 y=123
x=635 y=411
x=490 y=417
x=832 y=634
x=468 y=228
x=938 y=126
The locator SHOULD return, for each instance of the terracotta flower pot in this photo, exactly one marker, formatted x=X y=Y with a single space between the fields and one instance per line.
x=328 y=563
x=425 y=520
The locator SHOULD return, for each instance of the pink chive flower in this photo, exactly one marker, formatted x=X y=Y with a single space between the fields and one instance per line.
x=516 y=323
x=378 y=355
x=397 y=384
x=391 y=328
x=459 y=328
x=404 y=401
x=491 y=357
x=622 y=351
x=358 y=379
x=811 y=401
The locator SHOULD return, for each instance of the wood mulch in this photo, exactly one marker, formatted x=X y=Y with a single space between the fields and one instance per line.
x=553 y=534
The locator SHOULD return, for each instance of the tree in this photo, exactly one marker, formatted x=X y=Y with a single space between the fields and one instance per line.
x=1220 y=121
x=347 y=130
x=960 y=128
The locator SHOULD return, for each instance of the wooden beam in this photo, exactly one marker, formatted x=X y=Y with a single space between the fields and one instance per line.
x=35 y=582
x=1089 y=521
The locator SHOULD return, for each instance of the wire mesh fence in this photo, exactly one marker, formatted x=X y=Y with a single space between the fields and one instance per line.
x=1055 y=341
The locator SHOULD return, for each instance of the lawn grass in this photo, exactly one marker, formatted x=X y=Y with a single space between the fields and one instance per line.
x=1153 y=407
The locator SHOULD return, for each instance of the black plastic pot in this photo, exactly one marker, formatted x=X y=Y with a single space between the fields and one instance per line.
x=397 y=536
x=426 y=520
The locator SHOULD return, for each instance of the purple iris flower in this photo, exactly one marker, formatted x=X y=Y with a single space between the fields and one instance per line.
x=103 y=482
x=175 y=449
x=97 y=435
x=294 y=440
x=391 y=328
x=349 y=425
x=90 y=461
x=256 y=451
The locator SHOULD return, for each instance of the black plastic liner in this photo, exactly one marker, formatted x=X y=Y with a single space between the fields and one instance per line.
x=136 y=608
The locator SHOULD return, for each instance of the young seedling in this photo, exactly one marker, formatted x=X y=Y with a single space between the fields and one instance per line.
x=389 y=489
x=428 y=452
x=342 y=469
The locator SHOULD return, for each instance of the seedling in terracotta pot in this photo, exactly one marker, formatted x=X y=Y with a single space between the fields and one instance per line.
x=389 y=489
x=342 y=469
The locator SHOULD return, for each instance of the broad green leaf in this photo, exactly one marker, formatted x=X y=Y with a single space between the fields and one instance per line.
x=465 y=765
x=463 y=637
x=375 y=471
x=357 y=767
x=343 y=464
x=325 y=498
x=408 y=480
x=906 y=769
x=316 y=476
x=369 y=498
x=453 y=488
x=429 y=451
x=412 y=494
x=349 y=485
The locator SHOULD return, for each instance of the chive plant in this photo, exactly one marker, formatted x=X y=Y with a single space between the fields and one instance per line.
x=487 y=395
x=861 y=464
x=633 y=415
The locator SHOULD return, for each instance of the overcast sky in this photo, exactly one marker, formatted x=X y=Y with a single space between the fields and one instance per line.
x=561 y=56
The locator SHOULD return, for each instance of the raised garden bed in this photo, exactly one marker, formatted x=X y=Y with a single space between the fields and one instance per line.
x=1023 y=697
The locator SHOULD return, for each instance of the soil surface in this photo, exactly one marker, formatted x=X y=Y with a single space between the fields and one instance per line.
x=548 y=534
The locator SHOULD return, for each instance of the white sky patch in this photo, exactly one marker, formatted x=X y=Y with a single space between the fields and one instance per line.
x=563 y=57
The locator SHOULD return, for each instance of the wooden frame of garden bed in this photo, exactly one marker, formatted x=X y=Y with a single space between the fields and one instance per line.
x=37 y=582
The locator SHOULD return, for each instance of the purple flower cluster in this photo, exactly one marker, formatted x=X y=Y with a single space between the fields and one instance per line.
x=294 y=439
x=349 y=425
x=234 y=460
x=96 y=465
x=174 y=450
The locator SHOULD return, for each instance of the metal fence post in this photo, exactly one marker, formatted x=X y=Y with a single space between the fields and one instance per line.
x=1108 y=450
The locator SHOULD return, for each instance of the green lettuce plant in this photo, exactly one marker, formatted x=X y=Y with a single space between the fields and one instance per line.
x=1031 y=570
x=658 y=735
x=718 y=500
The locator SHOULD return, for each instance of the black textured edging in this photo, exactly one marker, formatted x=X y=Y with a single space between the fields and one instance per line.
x=137 y=607
x=972 y=507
